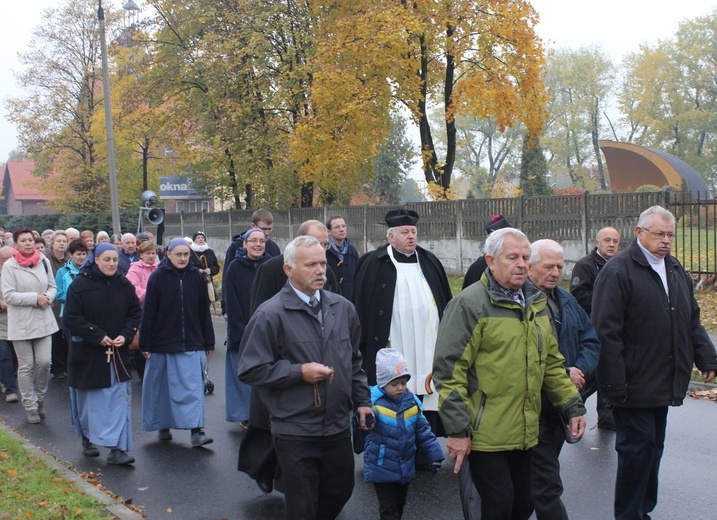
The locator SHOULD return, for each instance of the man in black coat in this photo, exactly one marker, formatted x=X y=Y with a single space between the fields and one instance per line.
x=607 y=244
x=648 y=324
x=341 y=255
x=385 y=276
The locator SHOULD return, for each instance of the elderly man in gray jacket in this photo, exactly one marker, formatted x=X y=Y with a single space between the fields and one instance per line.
x=301 y=351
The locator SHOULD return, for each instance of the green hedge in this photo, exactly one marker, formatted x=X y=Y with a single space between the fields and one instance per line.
x=93 y=221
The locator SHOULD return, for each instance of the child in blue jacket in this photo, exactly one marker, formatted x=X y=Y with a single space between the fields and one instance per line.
x=399 y=429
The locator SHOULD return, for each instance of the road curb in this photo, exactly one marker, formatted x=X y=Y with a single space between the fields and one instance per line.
x=113 y=507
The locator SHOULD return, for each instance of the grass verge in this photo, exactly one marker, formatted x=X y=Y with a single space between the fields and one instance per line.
x=31 y=489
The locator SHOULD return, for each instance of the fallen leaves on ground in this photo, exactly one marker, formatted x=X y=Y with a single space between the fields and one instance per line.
x=709 y=394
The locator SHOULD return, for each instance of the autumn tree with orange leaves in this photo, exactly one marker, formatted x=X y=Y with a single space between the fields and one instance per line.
x=481 y=59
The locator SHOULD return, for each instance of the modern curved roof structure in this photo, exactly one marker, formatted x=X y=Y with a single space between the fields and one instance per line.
x=631 y=166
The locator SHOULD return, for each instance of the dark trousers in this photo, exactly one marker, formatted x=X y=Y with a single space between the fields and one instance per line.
x=7 y=367
x=391 y=499
x=502 y=479
x=59 y=352
x=318 y=475
x=546 y=485
x=639 y=442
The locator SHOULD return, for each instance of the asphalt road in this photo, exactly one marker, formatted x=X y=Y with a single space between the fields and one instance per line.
x=173 y=480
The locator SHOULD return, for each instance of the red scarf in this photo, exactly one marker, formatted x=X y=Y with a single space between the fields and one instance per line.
x=26 y=261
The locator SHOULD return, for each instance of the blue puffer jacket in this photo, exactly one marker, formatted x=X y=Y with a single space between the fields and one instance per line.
x=391 y=445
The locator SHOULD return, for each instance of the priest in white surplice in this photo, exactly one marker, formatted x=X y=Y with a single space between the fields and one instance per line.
x=400 y=291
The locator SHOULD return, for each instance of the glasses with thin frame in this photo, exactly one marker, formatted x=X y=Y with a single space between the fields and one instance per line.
x=661 y=234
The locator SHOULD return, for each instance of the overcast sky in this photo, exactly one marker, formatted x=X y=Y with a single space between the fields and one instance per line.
x=618 y=26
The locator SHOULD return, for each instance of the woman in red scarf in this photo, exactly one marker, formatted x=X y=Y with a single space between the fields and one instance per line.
x=28 y=288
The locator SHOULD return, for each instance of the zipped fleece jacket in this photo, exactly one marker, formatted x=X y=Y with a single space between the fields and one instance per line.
x=282 y=335
x=400 y=427
x=649 y=339
x=175 y=316
x=492 y=360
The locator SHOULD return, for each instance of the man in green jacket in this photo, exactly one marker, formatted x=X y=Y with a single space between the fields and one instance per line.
x=494 y=354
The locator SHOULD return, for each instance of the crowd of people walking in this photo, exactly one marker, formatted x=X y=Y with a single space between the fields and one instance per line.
x=330 y=354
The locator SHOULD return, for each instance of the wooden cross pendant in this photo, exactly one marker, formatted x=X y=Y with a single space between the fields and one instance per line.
x=109 y=354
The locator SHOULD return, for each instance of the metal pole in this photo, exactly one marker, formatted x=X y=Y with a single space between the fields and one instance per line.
x=114 y=197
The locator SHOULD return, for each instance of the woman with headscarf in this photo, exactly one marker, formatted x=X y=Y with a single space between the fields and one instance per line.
x=28 y=288
x=102 y=314
x=203 y=258
x=236 y=288
x=177 y=338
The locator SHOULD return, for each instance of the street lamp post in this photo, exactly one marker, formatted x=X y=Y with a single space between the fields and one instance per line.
x=114 y=196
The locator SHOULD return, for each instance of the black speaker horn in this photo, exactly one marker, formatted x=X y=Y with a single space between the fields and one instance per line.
x=155 y=216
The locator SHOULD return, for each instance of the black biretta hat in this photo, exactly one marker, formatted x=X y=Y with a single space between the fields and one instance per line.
x=401 y=217
x=498 y=222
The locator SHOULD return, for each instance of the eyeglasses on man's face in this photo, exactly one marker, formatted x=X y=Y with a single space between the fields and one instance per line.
x=661 y=234
x=256 y=241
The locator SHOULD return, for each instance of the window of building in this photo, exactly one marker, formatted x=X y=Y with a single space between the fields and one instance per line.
x=205 y=206
x=192 y=206
x=180 y=205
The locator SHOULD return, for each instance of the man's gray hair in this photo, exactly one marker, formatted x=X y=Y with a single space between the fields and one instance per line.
x=301 y=241
x=544 y=244
x=647 y=216
x=392 y=231
x=494 y=242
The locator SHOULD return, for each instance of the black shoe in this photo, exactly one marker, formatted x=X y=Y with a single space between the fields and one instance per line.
x=119 y=458
x=165 y=434
x=266 y=486
x=89 y=449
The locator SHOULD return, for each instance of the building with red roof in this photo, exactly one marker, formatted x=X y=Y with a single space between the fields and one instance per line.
x=21 y=191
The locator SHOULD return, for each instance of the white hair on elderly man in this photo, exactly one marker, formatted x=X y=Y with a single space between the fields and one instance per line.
x=494 y=242
x=544 y=244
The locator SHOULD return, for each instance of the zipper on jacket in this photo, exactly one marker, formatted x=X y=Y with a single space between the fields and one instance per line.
x=540 y=343
x=479 y=413
x=181 y=301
